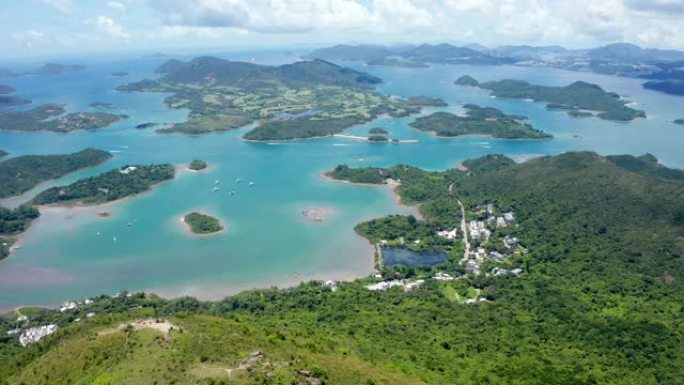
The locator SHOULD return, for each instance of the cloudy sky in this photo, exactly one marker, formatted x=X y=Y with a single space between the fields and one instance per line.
x=34 y=27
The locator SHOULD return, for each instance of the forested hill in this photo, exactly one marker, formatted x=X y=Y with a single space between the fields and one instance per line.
x=215 y=71
x=599 y=300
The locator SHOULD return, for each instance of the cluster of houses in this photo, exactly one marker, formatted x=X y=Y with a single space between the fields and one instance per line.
x=407 y=284
x=34 y=334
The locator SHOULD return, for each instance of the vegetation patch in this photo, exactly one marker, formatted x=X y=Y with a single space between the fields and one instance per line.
x=197 y=165
x=202 y=224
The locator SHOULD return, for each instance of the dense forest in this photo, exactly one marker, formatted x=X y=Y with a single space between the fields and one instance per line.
x=22 y=173
x=112 y=185
x=599 y=300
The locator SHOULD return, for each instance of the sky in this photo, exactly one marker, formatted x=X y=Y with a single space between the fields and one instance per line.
x=44 y=27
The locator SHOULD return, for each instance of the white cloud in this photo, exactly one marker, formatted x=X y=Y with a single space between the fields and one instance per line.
x=110 y=27
x=116 y=5
x=30 y=39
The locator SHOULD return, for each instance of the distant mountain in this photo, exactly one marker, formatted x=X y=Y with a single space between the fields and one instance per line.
x=55 y=69
x=526 y=52
x=341 y=52
x=5 y=73
x=449 y=54
x=215 y=71
x=632 y=53
x=170 y=66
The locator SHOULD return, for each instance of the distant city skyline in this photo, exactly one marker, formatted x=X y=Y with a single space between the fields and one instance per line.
x=50 y=27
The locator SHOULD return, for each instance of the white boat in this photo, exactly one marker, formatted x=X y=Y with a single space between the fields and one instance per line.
x=217 y=181
x=215 y=189
x=251 y=184
x=238 y=180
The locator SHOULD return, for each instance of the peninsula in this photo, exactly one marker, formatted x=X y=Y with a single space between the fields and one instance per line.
x=293 y=101
x=110 y=186
x=478 y=121
x=576 y=96
x=202 y=224
x=12 y=223
x=53 y=117
x=22 y=173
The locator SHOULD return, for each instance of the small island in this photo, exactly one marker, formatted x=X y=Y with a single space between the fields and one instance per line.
x=143 y=126
x=110 y=186
x=20 y=174
x=378 y=138
x=378 y=131
x=202 y=224
x=478 y=121
x=119 y=73
x=53 y=117
x=197 y=165
x=101 y=105
x=678 y=121
x=577 y=98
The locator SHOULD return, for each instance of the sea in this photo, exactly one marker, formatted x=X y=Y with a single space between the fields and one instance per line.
x=75 y=253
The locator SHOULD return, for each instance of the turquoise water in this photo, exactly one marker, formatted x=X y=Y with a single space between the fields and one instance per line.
x=267 y=240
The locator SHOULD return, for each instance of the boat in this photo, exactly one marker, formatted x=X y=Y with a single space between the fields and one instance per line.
x=217 y=181
x=251 y=184
x=215 y=189
x=232 y=193
x=238 y=180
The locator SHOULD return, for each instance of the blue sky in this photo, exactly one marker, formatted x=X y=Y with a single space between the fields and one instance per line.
x=43 y=27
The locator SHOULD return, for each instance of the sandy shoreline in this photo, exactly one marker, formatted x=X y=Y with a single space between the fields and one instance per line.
x=390 y=184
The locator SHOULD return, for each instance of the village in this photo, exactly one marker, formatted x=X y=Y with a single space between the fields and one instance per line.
x=488 y=249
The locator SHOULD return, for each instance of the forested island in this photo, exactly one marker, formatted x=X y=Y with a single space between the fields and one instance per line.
x=202 y=224
x=598 y=285
x=678 y=121
x=197 y=165
x=378 y=131
x=53 y=117
x=576 y=96
x=293 y=101
x=112 y=185
x=668 y=86
x=143 y=126
x=22 y=173
x=478 y=121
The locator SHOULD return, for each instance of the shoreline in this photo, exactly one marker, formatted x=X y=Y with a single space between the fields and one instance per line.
x=389 y=184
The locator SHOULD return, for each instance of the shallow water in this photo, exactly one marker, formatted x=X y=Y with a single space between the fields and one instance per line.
x=268 y=241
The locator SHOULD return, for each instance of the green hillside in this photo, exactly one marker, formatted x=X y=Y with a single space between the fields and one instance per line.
x=598 y=300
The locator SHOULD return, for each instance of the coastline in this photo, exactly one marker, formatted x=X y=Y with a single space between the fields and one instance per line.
x=390 y=184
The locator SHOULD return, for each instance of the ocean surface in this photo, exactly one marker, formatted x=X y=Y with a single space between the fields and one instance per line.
x=74 y=253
